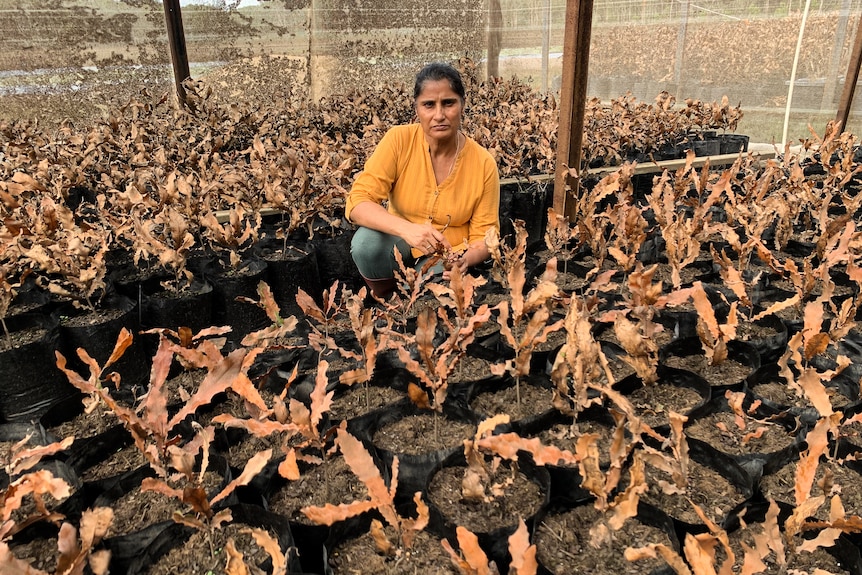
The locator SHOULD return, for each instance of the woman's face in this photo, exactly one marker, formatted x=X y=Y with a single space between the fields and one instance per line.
x=439 y=108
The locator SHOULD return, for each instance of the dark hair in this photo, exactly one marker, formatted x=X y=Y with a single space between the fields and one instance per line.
x=435 y=72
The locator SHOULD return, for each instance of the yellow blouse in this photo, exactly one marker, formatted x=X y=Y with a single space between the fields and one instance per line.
x=464 y=206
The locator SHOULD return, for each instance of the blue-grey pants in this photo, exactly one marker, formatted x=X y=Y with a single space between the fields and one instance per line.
x=373 y=253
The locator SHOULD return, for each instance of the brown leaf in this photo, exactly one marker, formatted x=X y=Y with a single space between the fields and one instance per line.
x=70 y=553
x=411 y=527
x=159 y=486
x=271 y=546
x=522 y=553
x=99 y=561
x=235 y=564
x=418 y=396
x=254 y=466
x=288 y=468
x=593 y=479
x=381 y=541
x=653 y=550
x=363 y=466
x=815 y=391
x=507 y=445
x=468 y=544
x=24 y=459
x=700 y=553
x=124 y=340
x=817 y=441
x=228 y=372
x=330 y=514
x=94 y=525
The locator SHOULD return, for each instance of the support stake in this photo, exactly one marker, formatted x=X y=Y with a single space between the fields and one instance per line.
x=177 y=41
x=573 y=99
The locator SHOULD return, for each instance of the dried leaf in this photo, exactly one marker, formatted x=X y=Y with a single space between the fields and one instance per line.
x=654 y=550
x=271 y=546
x=418 y=396
x=288 y=468
x=381 y=541
x=522 y=553
x=507 y=445
x=254 y=466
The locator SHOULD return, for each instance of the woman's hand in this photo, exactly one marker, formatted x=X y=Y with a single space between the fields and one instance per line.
x=455 y=260
x=425 y=238
x=476 y=253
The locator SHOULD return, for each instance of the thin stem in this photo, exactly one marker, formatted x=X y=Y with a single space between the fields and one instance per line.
x=518 y=391
x=6 y=331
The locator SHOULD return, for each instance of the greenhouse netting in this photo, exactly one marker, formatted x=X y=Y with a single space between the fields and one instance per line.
x=254 y=50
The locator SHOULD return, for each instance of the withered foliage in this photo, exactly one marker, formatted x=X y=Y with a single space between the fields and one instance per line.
x=158 y=184
x=161 y=183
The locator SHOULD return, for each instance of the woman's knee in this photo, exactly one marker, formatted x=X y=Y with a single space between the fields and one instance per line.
x=372 y=252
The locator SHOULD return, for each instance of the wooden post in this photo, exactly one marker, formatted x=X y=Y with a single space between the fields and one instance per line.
x=177 y=42
x=573 y=98
x=850 y=80
x=495 y=34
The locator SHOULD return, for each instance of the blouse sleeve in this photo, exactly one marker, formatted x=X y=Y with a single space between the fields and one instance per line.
x=487 y=212
x=375 y=181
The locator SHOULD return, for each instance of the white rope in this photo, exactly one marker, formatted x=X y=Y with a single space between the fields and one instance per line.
x=793 y=72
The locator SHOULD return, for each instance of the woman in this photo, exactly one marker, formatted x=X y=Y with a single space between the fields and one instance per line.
x=442 y=189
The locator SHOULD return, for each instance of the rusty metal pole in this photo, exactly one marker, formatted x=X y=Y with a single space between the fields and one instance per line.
x=573 y=99
x=850 y=80
x=177 y=42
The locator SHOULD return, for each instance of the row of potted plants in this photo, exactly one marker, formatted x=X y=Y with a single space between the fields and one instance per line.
x=800 y=230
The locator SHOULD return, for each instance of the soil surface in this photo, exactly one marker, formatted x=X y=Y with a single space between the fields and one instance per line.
x=361 y=555
x=566 y=544
x=509 y=495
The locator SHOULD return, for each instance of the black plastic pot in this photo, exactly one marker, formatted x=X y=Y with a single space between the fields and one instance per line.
x=29 y=300
x=732 y=143
x=676 y=378
x=754 y=513
x=493 y=541
x=38 y=437
x=97 y=332
x=414 y=468
x=135 y=283
x=496 y=384
x=30 y=382
x=744 y=353
x=190 y=308
x=337 y=549
x=807 y=414
x=526 y=202
x=134 y=553
x=646 y=515
x=565 y=480
x=334 y=262
x=756 y=463
x=770 y=348
x=230 y=284
x=255 y=516
x=137 y=551
x=88 y=452
x=495 y=349
x=289 y=269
